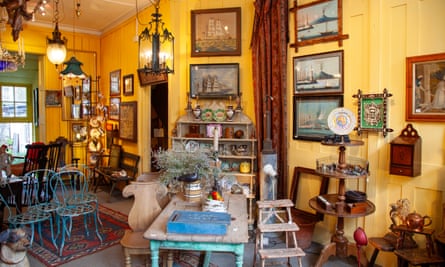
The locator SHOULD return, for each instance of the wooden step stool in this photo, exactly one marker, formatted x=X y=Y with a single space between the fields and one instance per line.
x=270 y=220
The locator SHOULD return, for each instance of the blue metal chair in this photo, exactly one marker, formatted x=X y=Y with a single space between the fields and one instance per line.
x=82 y=194
x=68 y=185
x=32 y=216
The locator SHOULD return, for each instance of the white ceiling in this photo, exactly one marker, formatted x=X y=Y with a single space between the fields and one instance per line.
x=97 y=16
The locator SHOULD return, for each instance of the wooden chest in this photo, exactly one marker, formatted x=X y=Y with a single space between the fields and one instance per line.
x=406 y=153
x=198 y=222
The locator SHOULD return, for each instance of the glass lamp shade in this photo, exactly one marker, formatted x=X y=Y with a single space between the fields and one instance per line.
x=56 y=53
x=156 y=47
x=73 y=69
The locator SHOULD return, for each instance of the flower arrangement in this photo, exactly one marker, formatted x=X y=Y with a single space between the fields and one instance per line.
x=175 y=163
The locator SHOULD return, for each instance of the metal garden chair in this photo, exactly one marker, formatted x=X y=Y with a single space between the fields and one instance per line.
x=65 y=185
x=32 y=216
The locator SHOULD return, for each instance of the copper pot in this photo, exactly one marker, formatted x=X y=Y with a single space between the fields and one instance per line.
x=417 y=222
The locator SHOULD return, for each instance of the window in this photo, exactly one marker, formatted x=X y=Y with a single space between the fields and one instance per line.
x=16 y=117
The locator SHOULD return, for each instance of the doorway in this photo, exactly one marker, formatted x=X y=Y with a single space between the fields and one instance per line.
x=159 y=118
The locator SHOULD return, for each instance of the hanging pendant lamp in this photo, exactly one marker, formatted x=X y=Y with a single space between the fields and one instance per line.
x=73 y=66
x=73 y=69
x=56 y=49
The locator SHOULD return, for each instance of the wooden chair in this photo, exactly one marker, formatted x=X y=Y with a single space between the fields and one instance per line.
x=118 y=161
x=149 y=199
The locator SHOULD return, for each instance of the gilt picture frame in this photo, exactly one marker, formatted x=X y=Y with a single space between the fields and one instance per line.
x=114 y=111
x=310 y=116
x=425 y=88
x=128 y=82
x=115 y=83
x=216 y=32
x=319 y=73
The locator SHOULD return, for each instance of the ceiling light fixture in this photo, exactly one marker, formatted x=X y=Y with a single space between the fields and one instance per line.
x=56 y=49
x=156 y=46
x=73 y=66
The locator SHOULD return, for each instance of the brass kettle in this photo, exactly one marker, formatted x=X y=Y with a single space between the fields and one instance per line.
x=416 y=221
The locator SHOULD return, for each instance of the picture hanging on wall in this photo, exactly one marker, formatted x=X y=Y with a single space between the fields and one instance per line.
x=372 y=112
x=318 y=22
x=425 y=88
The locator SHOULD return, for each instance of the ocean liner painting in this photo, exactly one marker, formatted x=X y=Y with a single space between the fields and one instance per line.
x=319 y=73
x=216 y=32
x=318 y=21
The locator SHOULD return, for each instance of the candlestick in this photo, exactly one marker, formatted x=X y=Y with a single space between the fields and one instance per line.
x=215 y=138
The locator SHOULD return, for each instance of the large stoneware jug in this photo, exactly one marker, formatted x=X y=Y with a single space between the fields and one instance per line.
x=147 y=189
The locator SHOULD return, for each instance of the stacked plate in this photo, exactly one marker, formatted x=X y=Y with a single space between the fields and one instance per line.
x=214 y=205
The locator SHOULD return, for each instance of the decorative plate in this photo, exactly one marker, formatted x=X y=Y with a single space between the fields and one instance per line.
x=191 y=146
x=219 y=115
x=95 y=133
x=94 y=122
x=341 y=121
x=207 y=115
x=94 y=146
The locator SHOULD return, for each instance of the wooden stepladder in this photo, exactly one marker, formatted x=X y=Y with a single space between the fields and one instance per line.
x=274 y=216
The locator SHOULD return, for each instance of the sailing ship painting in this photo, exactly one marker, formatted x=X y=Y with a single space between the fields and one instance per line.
x=216 y=32
x=312 y=113
x=214 y=80
x=318 y=72
x=319 y=20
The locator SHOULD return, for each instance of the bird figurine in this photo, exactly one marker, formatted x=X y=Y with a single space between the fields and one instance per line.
x=188 y=178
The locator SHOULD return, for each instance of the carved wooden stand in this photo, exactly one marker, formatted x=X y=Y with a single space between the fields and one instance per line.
x=340 y=246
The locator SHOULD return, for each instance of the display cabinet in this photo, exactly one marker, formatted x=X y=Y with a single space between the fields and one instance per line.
x=232 y=141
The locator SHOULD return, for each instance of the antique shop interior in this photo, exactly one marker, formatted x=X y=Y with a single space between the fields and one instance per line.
x=318 y=120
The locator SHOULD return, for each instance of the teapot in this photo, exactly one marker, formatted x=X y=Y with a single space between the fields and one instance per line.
x=415 y=221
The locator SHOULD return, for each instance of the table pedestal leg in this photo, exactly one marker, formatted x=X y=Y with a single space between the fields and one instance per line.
x=154 y=249
x=331 y=249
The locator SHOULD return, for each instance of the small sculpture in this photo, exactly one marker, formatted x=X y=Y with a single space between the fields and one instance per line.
x=5 y=160
x=399 y=210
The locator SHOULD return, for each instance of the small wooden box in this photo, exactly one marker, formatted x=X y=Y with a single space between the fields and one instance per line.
x=198 y=222
x=359 y=207
x=406 y=153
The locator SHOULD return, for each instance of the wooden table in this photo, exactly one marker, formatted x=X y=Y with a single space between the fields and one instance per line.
x=233 y=241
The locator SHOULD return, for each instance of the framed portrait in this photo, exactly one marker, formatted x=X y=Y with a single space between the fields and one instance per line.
x=128 y=121
x=115 y=83
x=214 y=80
x=372 y=112
x=216 y=32
x=319 y=74
x=317 y=22
x=53 y=98
x=128 y=85
x=115 y=103
x=425 y=88
x=311 y=114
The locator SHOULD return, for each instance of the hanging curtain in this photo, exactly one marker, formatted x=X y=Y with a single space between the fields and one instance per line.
x=269 y=62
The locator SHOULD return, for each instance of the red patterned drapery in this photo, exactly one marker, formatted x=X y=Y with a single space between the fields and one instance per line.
x=269 y=63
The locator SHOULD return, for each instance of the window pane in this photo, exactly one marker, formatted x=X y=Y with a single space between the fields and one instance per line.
x=20 y=110
x=7 y=109
x=7 y=93
x=20 y=94
x=16 y=136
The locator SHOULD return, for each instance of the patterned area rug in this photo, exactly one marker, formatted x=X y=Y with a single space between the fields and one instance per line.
x=79 y=245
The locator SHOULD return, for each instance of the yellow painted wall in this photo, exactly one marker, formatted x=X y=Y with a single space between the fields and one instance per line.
x=121 y=52
x=51 y=123
x=382 y=33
